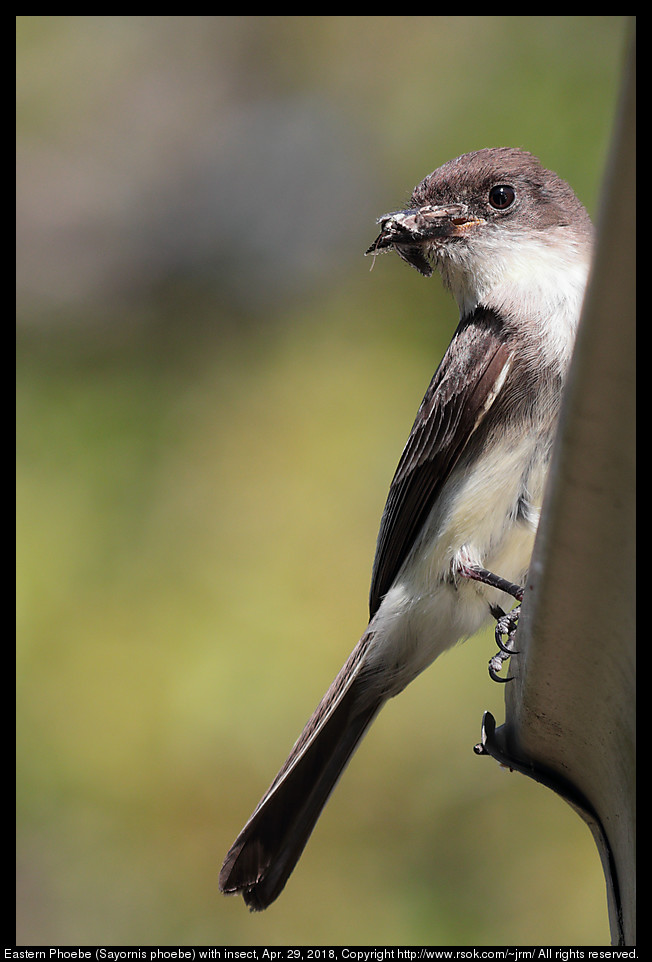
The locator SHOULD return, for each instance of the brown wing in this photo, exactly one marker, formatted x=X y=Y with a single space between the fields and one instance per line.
x=460 y=394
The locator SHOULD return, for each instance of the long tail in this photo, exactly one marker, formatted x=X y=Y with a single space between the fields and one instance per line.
x=265 y=852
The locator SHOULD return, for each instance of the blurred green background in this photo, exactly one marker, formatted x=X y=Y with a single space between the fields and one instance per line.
x=213 y=392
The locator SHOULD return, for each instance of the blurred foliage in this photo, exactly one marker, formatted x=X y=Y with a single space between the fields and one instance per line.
x=213 y=392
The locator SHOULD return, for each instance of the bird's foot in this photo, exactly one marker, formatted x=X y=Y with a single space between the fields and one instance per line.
x=506 y=624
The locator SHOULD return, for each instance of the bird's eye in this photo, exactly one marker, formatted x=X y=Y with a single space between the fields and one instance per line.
x=502 y=197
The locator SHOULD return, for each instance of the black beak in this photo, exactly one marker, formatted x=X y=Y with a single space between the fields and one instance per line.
x=408 y=230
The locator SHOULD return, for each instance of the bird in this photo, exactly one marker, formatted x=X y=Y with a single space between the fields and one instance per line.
x=512 y=243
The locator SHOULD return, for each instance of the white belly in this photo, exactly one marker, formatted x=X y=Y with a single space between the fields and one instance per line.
x=488 y=515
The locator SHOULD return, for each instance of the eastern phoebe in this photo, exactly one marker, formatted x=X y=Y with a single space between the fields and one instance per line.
x=513 y=245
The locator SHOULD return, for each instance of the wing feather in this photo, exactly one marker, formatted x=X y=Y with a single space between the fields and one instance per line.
x=459 y=397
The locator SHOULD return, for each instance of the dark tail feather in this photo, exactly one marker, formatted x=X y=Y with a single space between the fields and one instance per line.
x=265 y=852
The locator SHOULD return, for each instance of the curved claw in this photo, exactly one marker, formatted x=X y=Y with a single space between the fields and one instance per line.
x=506 y=624
x=495 y=664
x=496 y=677
x=502 y=645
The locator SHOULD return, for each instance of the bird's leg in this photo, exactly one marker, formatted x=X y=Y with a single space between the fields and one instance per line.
x=476 y=573
x=506 y=623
